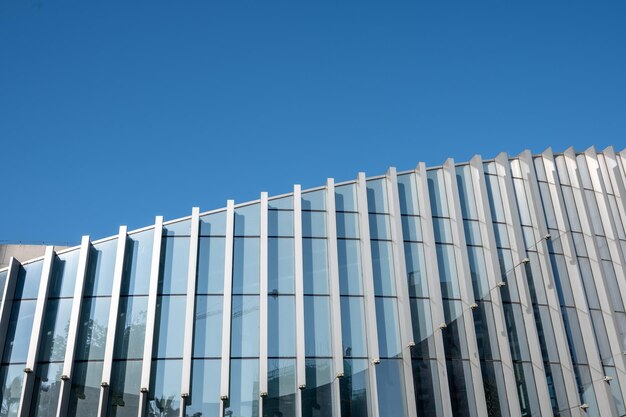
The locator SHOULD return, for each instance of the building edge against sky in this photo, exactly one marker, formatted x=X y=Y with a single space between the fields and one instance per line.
x=486 y=288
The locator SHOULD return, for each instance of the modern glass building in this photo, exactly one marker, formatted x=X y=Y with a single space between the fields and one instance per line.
x=489 y=288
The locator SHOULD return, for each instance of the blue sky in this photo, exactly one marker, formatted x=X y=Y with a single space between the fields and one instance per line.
x=114 y=112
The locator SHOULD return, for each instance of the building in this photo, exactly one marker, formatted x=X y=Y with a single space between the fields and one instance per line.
x=488 y=288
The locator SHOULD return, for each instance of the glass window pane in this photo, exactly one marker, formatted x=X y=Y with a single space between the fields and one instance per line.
x=85 y=389
x=349 y=267
x=495 y=199
x=390 y=383
x=461 y=388
x=422 y=329
x=3 y=280
x=379 y=226
x=317 y=326
x=416 y=269
x=466 y=192
x=412 y=228
x=447 y=271
x=436 y=188
x=388 y=328
x=213 y=224
x=246 y=266
x=245 y=326
x=281 y=388
x=244 y=389
x=211 y=265
x=137 y=263
x=46 y=391
x=313 y=224
x=164 y=394
x=11 y=378
x=443 y=230
x=279 y=223
x=178 y=228
x=63 y=278
x=407 y=192
x=131 y=327
x=427 y=393
x=347 y=225
x=247 y=220
x=169 y=329
x=93 y=327
x=208 y=326
x=353 y=327
x=382 y=265
x=28 y=278
x=472 y=232
x=345 y=198
x=174 y=265
x=280 y=265
x=281 y=326
x=99 y=279
x=315 y=265
x=377 y=196
x=55 y=328
x=314 y=200
x=19 y=331
x=317 y=396
x=282 y=203
x=124 y=391
x=205 y=389
x=478 y=271
x=354 y=388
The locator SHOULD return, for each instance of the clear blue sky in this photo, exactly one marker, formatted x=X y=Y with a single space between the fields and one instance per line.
x=114 y=112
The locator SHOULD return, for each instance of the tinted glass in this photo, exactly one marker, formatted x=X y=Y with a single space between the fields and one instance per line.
x=347 y=225
x=137 y=263
x=244 y=388
x=169 y=333
x=245 y=326
x=377 y=196
x=213 y=224
x=164 y=394
x=99 y=279
x=46 y=391
x=281 y=326
x=349 y=267
x=93 y=327
x=11 y=378
x=174 y=265
x=247 y=220
x=279 y=223
x=28 y=278
x=388 y=329
x=131 y=328
x=63 y=278
x=19 y=331
x=407 y=192
x=345 y=198
x=124 y=391
x=382 y=266
x=313 y=224
x=315 y=266
x=211 y=265
x=85 y=389
x=205 y=389
x=354 y=388
x=55 y=329
x=317 y=396
x=317 y=326
x=280 y=265
x=281 y=388
x=208 y=326
x=390 y=383
x=353 y=327
x=314 y=200
x=246 y=266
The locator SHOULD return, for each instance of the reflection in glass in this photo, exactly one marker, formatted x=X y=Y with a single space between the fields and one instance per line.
x=85 y=389
x=317 y=398
x=436 y=188
x=213 y=224
x=245 y=326
x=247 y=220
x=210 y=265
x=28 y=278
x=99 y=278
x=282 y=203
x=137 y=261
x=207 y=326
x=281 y=388
x=178 y=228
x=349 y=267
x=390 y=383
x=131 y=328
x=353 y=327
x=416 y=269
x=388 y=328
x=379 y=226
x=280 y=265
x=348 y=225
x=315 y=265
x=354 y=388
x=164 y=393
x=447 y=271
x=461 y=388
x=345 y=198
x=124 y=391
x=11 y=378
x=46 y=390
x=411 y=228
x=93 y=327
x=377 y=196
x=205 y=389
x=317 y=326
x=314 y=200
x=174 y=265
x=18 y=333
x=422 y=329
x=55 y=328
x=407 y=192
x=281 y=326
x=313 y=224
x=244 y=389
x=279 y=223
x=169 y=330
x=246 y=266
x=63 y=277
x=382 y=266
x=427 y=393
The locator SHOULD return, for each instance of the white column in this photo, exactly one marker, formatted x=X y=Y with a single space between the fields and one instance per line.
x=299 y=287
x=146 y=366
x=465 y=283
x=7 y=300
x=263 y=308
x=109 y=347
x=492 y=266
x=228 y=296
x=72 y=334
x=434 y=287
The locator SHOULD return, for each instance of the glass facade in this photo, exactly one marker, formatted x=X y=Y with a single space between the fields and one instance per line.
x=493 y=288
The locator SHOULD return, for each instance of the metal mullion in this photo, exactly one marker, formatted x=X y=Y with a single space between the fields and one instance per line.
x=465 y=283
x=72 y=334
x=599 y=278
x=368 y=290
x=190 y=307
x=263 y=307
x=299 y=301
x=146 y=366
x=434 y=288
x=334 y=294
x=540 y=230
x=601 y=389
x=491 y=257
x=7 y=301
x=402 y=288
x=518 y=253
x=617 y=181
x=112 y=324
x=35 y=338
x=228 y=287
